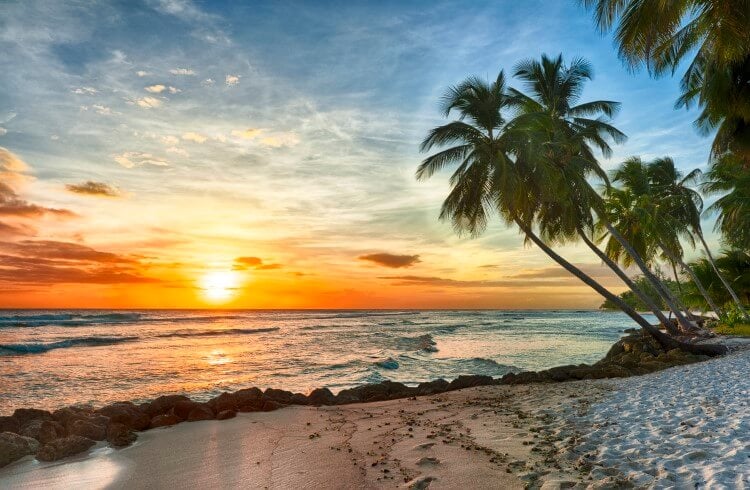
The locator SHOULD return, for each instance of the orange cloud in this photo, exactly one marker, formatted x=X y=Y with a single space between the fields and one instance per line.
x=92 y=188
x=243 y=263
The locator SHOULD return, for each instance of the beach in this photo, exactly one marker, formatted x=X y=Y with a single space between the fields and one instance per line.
x=684 y=427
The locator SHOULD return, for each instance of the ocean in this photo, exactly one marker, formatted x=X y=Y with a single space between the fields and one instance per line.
x=54 y=358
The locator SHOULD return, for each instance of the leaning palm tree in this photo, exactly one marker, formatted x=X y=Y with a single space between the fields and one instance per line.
x=566 y=133
x=729 y=178
x=497 y=173
x=685 y=204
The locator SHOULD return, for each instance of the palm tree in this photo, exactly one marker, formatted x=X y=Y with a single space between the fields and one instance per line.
x=685 y=205
x=735 y=265
x=565 y=132
x=731 y=179
x=716 y=33
x=635 y=231
x=497 y=172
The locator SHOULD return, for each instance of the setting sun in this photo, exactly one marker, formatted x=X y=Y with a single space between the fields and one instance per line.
x=219 y=286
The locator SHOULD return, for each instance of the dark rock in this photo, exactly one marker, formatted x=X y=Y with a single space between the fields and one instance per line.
x=280 y=396
x=88 y=429
x=321 y=396
x=164 y=404
x=183 y=408
x=120 y=435
x=299 y=399
x=128 y=414
x=164 y=420
x=64 y=447
x=270 y=406
x=9 y=424
x=226 y=414
x=32 y=428
x=432 y=387
x=468 y=381
x=222 y=403
x=14 y=447
x=200 y=412
x=249 y=400
x=51 y=430
x=387 y=390
x=26 y=415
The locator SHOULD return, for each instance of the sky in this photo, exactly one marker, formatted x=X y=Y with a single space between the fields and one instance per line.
x=185 y=154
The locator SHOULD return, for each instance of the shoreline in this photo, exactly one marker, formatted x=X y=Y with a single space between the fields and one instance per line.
x=74 y=430
x=578 y=434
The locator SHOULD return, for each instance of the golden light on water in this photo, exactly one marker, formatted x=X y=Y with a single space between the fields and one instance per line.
x=220 y=286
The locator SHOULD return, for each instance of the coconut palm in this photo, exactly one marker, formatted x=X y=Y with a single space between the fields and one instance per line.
x=716 y=33
x=565 y=133
x=730 y=179
x=496 y=172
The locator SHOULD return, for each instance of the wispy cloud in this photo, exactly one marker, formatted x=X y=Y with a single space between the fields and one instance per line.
x=182 y=71
x=91 y=188
x=132 y=159
x=391 y=260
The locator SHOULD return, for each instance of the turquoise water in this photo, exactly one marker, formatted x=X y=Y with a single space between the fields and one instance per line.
x=54 y=358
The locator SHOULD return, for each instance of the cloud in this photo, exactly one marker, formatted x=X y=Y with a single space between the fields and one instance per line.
x=3 y=131
x=232 y=80
x=142 y=73
x=454 y=283
x=174 y=90
x=195 y=137
x=131 y=159
x=244 y=263
x=208 y=82
x=85 y=91
x=281 y=139
x=12 y=230
x=593 y=270
x=12 y=205
x=170 y=140
x=55 y=262
x=148 y=102
x=156 y=89
x=391 y=260
x=178 y=151
x=182 y=71
x=248 y=134
x=92 y=188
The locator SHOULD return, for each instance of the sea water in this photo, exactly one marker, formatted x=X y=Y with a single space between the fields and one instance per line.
x=54 y=358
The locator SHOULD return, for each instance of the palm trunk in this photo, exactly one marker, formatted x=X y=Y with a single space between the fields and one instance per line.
x=676 y=276
x=629 y=282
x=666 y=295
x=666 y=341
x=721 y=276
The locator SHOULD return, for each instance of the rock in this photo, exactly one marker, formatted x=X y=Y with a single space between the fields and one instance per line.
x=9 y=424
x=299 y=399
x=164 y=420
x=88 y=429
x=432 y=387
x=182 y=409
x=26 y=415
x=128 y=414
x=32 y=428
x=14 y=447
x=387 y=390
x=64 y=447
x=120 y=435
x=280 y=396
x=164 y=404
x=270 y=405
x=51 y=430
x=226 y=414
x=200 y=412
x=67 y=415
x=321 y=396
x=469 y=381
x=249 y=400
x=222 y=403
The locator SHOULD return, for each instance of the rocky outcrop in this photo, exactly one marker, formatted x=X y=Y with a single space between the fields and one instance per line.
x=223 y=402
x=226 y=414
x=249 y=399
x=64 y=447
x=14 y=447
x=387 y=390
x=128 y=414
x=164 y=420
x=321 y=396
x=88 y=429
x=26 y=415
x=120 y=435
x=9 y=424
x=163 y=404
x=470 y=381
x=630 y=356
x=201 y=411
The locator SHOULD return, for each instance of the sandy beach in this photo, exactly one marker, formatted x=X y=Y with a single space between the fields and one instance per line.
x=685 y=427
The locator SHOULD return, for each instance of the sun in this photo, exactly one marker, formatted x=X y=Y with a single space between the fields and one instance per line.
x=219 y=286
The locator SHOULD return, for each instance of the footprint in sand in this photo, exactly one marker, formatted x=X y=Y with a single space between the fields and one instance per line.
x=421 y=483
x=428 y=461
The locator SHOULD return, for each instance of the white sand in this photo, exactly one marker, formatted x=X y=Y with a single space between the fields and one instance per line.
x=687 y=427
